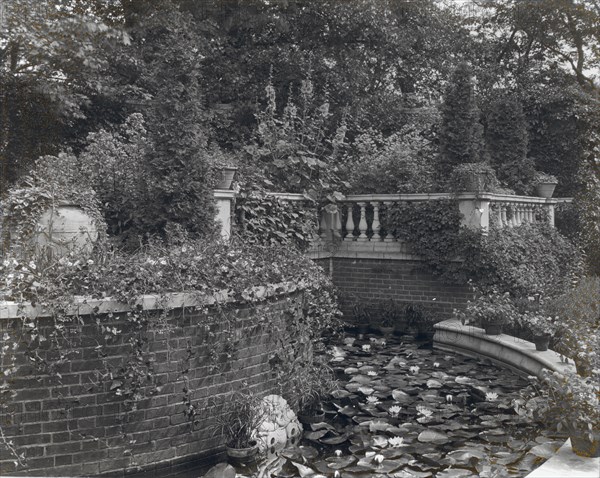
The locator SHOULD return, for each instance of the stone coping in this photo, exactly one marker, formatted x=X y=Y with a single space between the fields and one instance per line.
x=521 y=356
x=506 y=350
x=171 y=300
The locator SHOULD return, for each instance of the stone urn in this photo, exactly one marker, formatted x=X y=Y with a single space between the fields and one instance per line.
x=545 y=190
x=64 y=228
x=227 y=176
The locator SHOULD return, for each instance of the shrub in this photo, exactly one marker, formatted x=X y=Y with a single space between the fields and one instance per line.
x=400 y=163
x=578 y=310
x=526 y=260
x=474 y=177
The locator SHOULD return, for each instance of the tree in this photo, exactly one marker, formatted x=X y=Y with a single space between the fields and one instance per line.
x=50 y=55
x=507 y=143
x=565 y=32
x=461 y=134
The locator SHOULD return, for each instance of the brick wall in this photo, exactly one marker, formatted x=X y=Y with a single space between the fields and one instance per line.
x=373 y=281
x=73 y=423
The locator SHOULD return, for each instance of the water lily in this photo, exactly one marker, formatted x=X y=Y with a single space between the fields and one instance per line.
x=378 y=459
x=337 y=453
x=491 y=396
x=426 y=412
x=394 y=410
x=372 y=400
x=372 y=373
x=366 y=348
x=449 y=398
x=436 y=364
x=396 y=442
x=414 y=369
x=336 y=474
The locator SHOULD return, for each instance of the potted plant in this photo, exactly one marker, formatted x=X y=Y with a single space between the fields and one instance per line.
x=391 y=314
x=315 y=388
x=419 y=321
x=474 y=177
x=362 y=318
x=542 y=327
x=241 y=415
x=544 y=184
x=491 y=310
x=572 y=403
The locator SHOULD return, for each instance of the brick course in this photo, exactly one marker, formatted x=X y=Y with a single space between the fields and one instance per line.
x=373 y=281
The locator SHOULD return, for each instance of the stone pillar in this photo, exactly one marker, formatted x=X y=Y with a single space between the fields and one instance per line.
x=225 y=200
x=476 y=213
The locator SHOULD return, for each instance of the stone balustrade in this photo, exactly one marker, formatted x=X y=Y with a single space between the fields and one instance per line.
x=358 y=217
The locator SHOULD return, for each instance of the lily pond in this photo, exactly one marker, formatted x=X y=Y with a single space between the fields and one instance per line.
x=407 y=410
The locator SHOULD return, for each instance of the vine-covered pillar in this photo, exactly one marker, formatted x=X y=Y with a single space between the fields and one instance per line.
x=475 y=213
x=225 y=202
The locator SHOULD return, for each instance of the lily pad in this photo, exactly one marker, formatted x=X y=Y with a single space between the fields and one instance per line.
x=432 y=436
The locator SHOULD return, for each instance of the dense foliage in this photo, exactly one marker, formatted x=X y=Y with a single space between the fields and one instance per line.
x=461 y=132
x=507 y=143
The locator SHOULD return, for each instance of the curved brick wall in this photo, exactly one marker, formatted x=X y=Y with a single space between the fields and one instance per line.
x=75 y=425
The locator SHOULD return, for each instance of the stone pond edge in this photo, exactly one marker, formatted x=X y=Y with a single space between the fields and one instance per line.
x=522 y=357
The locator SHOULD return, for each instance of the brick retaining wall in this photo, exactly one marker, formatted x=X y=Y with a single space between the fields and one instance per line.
x=73 y=424
x=373 y=281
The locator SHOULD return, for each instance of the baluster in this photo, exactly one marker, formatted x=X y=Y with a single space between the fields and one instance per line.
x=511 y=221
x=530 y=214
x=503 y=221
x=518 y=214
x=350 y=223
x=389 y=234
x=376 y=225
x=362 y=225
x=498 y=211
x=337 y=223
x=551 y=214
x=323 y=224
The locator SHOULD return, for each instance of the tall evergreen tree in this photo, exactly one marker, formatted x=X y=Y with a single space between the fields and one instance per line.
x=507 y=141
x=461 y=134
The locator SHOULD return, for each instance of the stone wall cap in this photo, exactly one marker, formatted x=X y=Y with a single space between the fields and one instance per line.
x=171 y=300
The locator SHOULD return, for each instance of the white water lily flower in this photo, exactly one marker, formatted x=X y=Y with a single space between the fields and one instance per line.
x=366 y=347
x=396 y=442
x=378 y=459
x=414 y=369
x=337 y=453
x=372 y=373
x=491 y=396
x=426 y=412
x=449 y=398
x=372 y=400
x=436 y=364
x=394 y=410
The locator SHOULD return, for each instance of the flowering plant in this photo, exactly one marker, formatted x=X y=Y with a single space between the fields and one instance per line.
x=490 y=307
x=540 y=177
x=540 y=324
x=568 y=400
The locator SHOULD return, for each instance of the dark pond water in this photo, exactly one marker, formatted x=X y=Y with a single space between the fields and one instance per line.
x=406 y=410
